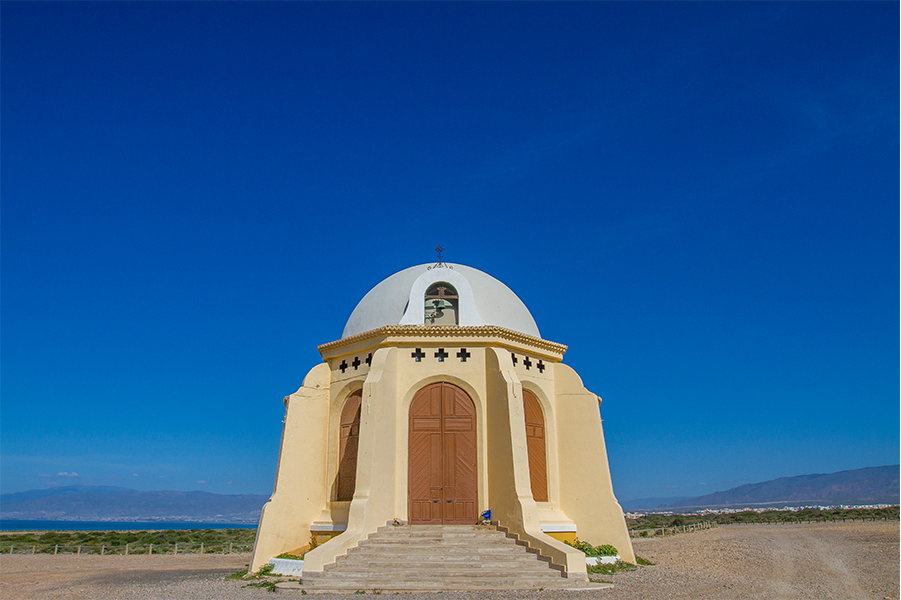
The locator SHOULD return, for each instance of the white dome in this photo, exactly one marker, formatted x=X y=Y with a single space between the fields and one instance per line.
x=398 y=300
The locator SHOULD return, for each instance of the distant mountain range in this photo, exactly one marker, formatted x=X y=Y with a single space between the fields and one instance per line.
x=103 y=503
x=871 y=485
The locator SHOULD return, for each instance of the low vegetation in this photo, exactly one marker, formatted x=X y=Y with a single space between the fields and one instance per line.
x=261 y=579
x=138 y=542
x=611 y=568
x=656 y=521
x=589 y=550
x=617 y=567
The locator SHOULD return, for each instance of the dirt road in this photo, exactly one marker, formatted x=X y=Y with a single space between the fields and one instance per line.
x=841 y=561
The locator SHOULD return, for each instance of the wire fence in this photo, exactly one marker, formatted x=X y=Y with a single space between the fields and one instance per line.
x=127 y=549
x=672 y=530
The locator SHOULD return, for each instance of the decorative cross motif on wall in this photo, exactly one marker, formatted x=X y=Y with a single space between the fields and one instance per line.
x=540 y=366
x=463 y=354
x=369 y=360
x=441 y=355
x=527 y=363
x=418 y=355
x=343 y=366
x=513 y=356
x=356 y=362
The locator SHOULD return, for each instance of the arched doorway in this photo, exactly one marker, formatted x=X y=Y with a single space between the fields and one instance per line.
x=348 y=445
x=443 y=482
x=535 y=441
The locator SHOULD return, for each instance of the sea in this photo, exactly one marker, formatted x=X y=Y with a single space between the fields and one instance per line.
x=11 y=525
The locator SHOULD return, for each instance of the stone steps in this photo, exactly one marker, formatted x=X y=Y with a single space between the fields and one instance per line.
x=440 y=557
x=436 y=567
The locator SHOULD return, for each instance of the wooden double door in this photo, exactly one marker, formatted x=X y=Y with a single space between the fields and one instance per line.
x=443 y=473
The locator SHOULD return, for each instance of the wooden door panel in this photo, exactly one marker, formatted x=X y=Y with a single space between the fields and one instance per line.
x=348 y=447
x=443 y=475
x=535 y=443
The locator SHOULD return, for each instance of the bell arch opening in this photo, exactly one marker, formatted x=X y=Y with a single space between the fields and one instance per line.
x=442 y=304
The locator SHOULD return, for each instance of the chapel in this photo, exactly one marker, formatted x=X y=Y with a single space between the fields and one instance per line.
x=439 y=402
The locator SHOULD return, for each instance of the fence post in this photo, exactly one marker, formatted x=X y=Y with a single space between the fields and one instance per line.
x=102 y=550
x=229 y=547
x=201 y=547
x=32 y=549
x=150 y=550
x=11 y=549
x=176 y=547
x=126 y=549
x=55 y=549
x=78 y=552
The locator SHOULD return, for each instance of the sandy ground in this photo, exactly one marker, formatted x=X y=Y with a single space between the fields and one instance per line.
x=841 y=561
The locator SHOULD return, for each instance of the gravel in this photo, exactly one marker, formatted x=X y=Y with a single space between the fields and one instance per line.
x=846 y=561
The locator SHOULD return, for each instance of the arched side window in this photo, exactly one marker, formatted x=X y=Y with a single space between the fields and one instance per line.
x=441 y=305
x=347 y=449
x=536 y=445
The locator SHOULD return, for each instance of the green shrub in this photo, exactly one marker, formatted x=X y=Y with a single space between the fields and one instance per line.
x=290 y=556
x=589 y=550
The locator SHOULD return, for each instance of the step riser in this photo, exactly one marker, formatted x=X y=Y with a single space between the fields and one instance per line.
x=396 y=549
x=494 y=567
x=385 y=582
x=431 y=585
x=439 y=577
x=433 y=562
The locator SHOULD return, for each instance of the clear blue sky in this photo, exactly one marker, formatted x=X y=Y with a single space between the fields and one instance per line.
x=700 y=199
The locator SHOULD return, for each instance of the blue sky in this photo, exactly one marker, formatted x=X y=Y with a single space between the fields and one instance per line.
x=699 y=199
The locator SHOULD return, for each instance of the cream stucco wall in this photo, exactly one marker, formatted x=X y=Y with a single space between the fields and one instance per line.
x=300 y=486
x=508 y=466
x=377 y=467
x=586 y=490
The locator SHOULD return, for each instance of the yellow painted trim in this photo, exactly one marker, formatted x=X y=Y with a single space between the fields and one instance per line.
x=321 y=537
x=563 y=536
x=551 y=350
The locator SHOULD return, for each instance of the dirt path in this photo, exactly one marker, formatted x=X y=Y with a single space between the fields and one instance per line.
x=841 y=561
